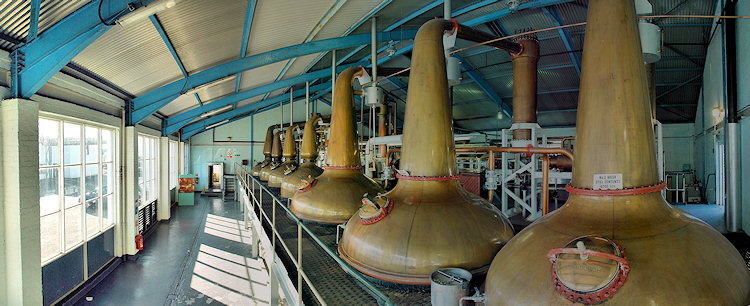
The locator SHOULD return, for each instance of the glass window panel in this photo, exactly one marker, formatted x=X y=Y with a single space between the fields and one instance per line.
x=147 y=170
x=71 y=143
x=108 y=207
x=107 y=148
x=73 y=226
x=107 y=178
x=72 y=185
x=140 y=171
x=141 y=195
x=49 y=137
x=49 y=230
x=92 y=144
x=92 y=181
x=92 y=218
x=49 y=191
x=140 y=147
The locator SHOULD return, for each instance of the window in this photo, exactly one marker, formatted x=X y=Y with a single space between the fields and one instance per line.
x=76 y=194
x=148 y=161
x=172 y=164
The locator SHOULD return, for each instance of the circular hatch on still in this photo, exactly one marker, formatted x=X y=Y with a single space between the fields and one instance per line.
x=589 y=269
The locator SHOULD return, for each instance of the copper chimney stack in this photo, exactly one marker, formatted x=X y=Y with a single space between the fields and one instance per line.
x=524 y=85
x=334 y=196
x=307 y=170
x=428 y=221
x=266 y=152
x=617 y=240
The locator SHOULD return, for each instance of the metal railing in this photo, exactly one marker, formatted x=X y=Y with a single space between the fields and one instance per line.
x=256 y=191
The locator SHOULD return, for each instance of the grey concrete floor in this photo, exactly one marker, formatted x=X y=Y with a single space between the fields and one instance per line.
x=200 y=256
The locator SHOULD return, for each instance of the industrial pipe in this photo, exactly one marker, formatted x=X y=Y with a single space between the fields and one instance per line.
x=474 y=35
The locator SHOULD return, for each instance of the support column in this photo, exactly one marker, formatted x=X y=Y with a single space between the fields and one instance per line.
x=20 y=269
x=130 y=191
x=180 y=158
x=162 y=201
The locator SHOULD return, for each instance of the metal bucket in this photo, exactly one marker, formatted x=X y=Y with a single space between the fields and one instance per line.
x=448 y=286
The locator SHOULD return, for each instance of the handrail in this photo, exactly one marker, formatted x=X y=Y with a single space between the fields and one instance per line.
x=368 y=286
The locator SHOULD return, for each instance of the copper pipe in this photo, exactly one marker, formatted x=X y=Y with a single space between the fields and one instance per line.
x=651 y=81
x=545 y=184
x=525 y=85
x=474 y=35
x=492 y=167
x=567 y=139
x=382 y=129
x=533 y=150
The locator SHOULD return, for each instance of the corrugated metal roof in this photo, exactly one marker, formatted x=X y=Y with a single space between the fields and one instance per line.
x=181 y=104
x=132 y=57
x=15 y=15
x=205 y=33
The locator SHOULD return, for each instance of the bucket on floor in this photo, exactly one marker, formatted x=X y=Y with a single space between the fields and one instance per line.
x=448 y=286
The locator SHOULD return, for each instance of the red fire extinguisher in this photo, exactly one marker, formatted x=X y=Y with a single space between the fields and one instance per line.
x=139 y=242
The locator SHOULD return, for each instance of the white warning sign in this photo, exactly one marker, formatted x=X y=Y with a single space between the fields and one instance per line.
x=607 y=181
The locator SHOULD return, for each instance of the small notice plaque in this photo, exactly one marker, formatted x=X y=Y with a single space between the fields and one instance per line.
x=608 y=181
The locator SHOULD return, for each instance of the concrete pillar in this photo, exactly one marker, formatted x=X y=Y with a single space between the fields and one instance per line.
x=163 y=203
x=130 y=190
x=20 y=268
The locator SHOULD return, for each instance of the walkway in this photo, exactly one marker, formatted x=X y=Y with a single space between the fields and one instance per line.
x=199 y=257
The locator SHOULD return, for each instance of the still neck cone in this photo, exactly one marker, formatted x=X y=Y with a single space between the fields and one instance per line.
x=342 y=142
x=309 y=150
x=290 y=148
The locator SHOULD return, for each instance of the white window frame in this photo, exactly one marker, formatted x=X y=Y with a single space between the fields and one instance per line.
x=173 y=164
x=61 y=120
x=151 y=182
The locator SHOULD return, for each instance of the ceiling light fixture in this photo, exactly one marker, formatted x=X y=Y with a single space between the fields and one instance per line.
x=145 y=11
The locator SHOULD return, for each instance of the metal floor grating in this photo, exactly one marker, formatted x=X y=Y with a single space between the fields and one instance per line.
x=332 y=282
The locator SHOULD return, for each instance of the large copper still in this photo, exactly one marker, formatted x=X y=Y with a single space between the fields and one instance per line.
x=290 y=162
x=616 y=240
x=255 y=171
x=335 y=195
x=275 y=157
x=307 y=170
x=428 y=221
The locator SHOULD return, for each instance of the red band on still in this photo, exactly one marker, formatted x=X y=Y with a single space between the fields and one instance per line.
x=426 y=178
x=343 y=167
x=617 y=192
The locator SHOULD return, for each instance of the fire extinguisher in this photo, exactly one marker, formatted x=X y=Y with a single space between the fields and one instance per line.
x=139 y=242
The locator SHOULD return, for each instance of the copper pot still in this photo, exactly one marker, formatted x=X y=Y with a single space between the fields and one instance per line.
x=335 y=195
x=255 y=171
x=275 y=157
x=625 y=244
x=307 y=170
x=428 y=221
x=275 y=176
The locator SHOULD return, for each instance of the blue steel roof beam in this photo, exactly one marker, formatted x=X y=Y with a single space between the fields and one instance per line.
x=168 y=42
x=310 y=36
x=479 y=80
x=391 y=27
x=472 y=22
x=229 y=100
x=160 y=96
x=34 y=20
x=556 y=18
x=249 y=13
x=239 y=111
x=58 y=45
x=690 y=80
x=252 y=110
